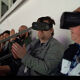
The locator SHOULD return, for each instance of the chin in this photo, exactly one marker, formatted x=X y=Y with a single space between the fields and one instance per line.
x=74 y=40
x=40 y=37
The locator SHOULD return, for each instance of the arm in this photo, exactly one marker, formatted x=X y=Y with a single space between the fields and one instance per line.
x=45 y=66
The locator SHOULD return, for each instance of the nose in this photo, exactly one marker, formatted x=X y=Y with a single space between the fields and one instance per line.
x=40 y=31
x=70 y=28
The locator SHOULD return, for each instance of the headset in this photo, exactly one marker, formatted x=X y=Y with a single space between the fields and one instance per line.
x=69 y=19
x=41 y=26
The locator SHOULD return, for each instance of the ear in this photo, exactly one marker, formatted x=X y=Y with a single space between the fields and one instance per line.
x=52 y=30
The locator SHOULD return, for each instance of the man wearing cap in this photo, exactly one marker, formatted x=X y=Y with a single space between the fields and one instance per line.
x=43 y=55
x=71 y=59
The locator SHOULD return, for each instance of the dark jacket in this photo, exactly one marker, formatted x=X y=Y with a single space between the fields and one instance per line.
x=45 y=61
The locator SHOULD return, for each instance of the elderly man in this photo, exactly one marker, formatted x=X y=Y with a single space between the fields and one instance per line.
x=23 y=39
x=44 y=54
x=71 y=58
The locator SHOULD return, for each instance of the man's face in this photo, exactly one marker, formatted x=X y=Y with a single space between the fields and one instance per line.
x=21 y=29
x=6 y=35
x=1 y=37
x=44 y=35
x=75 y=33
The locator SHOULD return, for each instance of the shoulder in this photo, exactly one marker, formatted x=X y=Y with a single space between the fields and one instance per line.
x=72 y=48
x=54 y=42
x=56 y=47
x=70 y=52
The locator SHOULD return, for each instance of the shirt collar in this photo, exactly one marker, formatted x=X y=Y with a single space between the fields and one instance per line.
x=45 y=44
x=78 y=45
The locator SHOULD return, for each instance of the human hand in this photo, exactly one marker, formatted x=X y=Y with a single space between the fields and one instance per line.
x=18 y=51
x=12 y=32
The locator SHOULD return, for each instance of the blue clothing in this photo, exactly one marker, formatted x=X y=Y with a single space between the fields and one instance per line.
x=71 y=60
x=74 y=62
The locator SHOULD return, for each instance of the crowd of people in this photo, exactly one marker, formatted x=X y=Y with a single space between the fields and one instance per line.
x=10 y=65
x=44 y=56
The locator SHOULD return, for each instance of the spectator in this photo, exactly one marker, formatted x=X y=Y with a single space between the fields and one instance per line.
x=43 y=55
x=11 y=65
x=71 y=59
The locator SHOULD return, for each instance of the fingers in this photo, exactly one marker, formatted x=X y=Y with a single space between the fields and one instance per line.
x=16 y=46
x=15 y=49
x=12 y=32
x=14 y=55
x=24 y=46
x=14 y=52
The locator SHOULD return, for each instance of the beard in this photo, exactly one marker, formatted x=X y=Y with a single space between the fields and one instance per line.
x=22 y=37
x=43 y=38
